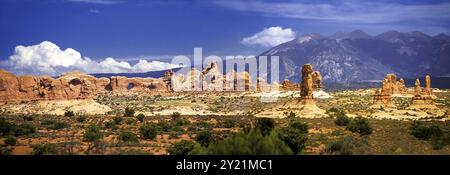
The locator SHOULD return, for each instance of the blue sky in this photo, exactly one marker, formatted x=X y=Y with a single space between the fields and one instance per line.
x=131 y=29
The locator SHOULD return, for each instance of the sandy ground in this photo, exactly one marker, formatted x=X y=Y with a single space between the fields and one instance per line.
x=58 y=107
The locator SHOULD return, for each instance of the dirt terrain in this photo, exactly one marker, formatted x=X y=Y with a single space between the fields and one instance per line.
x=205 y=111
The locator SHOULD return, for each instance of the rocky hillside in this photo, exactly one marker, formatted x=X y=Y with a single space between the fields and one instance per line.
x=357 y=56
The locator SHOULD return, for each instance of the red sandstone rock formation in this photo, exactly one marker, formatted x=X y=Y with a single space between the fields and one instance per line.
x=73 y=85
x=167 y=79
x=289 y=86
x=427 y=89
x=394 y=86
x=212 y=78
x=306 y=86
x=383 y=96
x=237 y=81
x=121 y=83
x=390 y=86
x=422 y=98
x=317 y=80
x=417 y=88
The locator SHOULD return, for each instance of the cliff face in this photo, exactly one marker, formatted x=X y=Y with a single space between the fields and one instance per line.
x=74 y=85
x=77 y=85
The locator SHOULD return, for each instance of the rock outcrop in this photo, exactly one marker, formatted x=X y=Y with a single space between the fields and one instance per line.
x=383 y=96
x=212 y=78
x=289 y=86
x=167 y=79
x=121 y=83
x=317 y=80
x=306 y=86
x=73 y=85
x=422 y=98
x=390 y=86
x=305 y=106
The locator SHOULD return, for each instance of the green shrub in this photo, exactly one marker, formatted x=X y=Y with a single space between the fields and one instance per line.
x=181 y=122
x=182 y=147
x=59 y=125
x=93 y=133
x=359 y=125
x=128 y=136
x=129 y=121
x=28 y=117
x=129 y=112
x=176 y=116
x=10 y=140
x=302 y=127
x=44 y=149
x=24 y=129
x=117 y=120
x=333 y=110
x=346 y=146
x=265 y=125
x=204 y=138
x=177 y=129
x=163 y=126
x=5 y=127
x=295 y=136
x=69 y=114
x=5 y=150
x=47 y=122
x=140 y=117
x=148 y=131
x=111 y=125
x=251 y=143
x=439 y=142
x=229 y=123
x=423 y=131
x=341 y=119
x=81 y=118
x=204 y=125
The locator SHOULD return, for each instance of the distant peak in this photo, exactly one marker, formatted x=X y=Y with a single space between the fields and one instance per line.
x=419 y=33
x=359 y=34
x=442 y=36
x=304 y=39
x=356 y=34
x=313 y=35
x=392 y=32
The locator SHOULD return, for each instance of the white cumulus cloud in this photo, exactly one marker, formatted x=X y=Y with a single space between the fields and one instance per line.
x=47 y=58
x=270 y=37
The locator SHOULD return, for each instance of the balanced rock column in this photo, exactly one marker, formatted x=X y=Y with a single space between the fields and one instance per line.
x=417 y=88
x=306 y=86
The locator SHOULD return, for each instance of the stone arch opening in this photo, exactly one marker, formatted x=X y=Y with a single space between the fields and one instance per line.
x=151 y=86
x=130 y=86
x=75 y=82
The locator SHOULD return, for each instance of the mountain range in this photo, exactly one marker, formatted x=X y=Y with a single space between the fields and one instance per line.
x=360 y=57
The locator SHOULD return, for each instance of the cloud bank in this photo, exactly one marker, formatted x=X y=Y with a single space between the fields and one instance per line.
x=47 y=58
x=270 y=37
x=359 y=11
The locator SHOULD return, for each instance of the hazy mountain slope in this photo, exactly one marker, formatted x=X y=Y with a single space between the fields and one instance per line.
x=357 y=56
